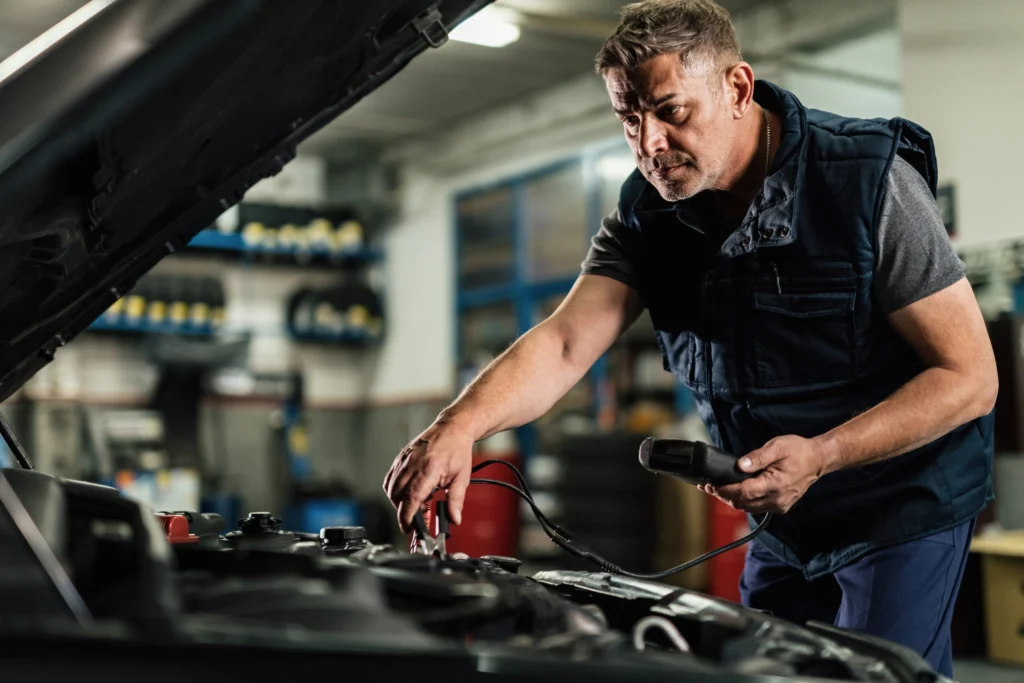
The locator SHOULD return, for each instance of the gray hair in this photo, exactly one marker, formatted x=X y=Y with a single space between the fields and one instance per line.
x=699 y=31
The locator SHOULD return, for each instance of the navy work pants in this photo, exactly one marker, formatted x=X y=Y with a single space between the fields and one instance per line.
x=903 y=593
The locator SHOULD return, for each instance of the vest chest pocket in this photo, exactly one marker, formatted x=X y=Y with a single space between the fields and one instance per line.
x=804 y=337
x=677 y=343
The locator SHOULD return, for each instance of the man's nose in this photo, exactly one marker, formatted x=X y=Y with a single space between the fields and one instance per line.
x=652 y=138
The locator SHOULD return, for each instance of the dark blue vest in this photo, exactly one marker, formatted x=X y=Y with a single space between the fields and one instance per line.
x=775 y=330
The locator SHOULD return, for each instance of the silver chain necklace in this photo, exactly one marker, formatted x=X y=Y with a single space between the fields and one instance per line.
x=768 y=152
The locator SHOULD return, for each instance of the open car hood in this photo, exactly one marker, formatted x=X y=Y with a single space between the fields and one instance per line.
x=133 y=124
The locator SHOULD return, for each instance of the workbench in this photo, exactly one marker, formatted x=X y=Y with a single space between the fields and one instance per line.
x=1002 y=566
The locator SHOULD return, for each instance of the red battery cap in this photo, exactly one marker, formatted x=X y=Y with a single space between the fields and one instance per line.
x=176 y=528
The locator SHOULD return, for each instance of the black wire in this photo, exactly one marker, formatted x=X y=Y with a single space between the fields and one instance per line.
x=545 y=523
x=575 y=546
x=706 y=556
x=562 y=538
x=515 y=470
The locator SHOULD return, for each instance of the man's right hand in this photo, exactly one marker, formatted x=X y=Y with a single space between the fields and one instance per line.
x=441 y=457
x=518 y=387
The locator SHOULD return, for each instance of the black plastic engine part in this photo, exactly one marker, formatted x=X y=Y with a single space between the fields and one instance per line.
x=261 y=530
x=343 y=539
x=509 y=564
x=259 y=524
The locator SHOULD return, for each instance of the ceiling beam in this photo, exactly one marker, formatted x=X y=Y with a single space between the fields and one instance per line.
x=767 y=29
x=592 y=28
x=559 y=109
x=769 y=33
x=780 y=27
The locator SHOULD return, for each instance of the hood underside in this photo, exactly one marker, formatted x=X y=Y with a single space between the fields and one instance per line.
x=135 y=123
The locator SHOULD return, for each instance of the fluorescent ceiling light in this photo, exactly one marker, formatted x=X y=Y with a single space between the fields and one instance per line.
x=488 y=27
x=50 y=37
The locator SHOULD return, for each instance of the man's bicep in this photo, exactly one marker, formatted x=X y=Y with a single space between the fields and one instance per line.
x=946 y=329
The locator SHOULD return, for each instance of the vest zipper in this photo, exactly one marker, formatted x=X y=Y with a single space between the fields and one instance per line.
x=778 y=282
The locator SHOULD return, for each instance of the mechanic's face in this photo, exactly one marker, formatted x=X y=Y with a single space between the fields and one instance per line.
x=681 y=134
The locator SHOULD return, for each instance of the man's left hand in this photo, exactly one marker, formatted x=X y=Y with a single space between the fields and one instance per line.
x=786 y=468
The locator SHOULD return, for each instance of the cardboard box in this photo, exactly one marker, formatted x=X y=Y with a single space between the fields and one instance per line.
x=682 y=531
x=1002 y=568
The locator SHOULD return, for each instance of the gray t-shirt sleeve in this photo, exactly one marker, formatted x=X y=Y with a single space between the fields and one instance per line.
x=614 y=252
x=914 y=258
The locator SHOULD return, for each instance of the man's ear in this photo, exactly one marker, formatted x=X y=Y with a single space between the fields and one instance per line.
x=739 y=85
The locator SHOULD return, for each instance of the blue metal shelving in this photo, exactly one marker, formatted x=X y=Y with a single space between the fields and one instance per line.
x=142 y=326
x=235 y=242
x=123 y=326
x=214 y=240
x=530 y=293
x=346 y=338
x=525 y=295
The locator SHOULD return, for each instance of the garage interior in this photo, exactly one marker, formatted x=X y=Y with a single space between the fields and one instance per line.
x=284 y=358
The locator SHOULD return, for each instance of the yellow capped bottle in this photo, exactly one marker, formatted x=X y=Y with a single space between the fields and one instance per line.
x=252 y=234
x=349 y=236
x=135 y=305
x=177 y=312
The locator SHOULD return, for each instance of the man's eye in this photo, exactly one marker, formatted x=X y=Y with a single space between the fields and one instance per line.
x=671 y=112
x=632 y=122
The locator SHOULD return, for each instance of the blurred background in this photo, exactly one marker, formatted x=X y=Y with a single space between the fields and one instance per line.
x=282 y=361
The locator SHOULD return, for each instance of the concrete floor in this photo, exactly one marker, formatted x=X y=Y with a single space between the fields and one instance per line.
x=980 y=671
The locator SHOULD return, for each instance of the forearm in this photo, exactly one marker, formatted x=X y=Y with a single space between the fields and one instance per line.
x=931 y=405
x=520 y=385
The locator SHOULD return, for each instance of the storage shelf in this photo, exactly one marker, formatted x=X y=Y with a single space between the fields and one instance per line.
x=213 y=240
x=144 y=327
x=485 y=296
x=347 y=338
x=534 y=292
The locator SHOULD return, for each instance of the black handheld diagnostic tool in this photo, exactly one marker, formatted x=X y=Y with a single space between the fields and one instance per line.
x=694 y=462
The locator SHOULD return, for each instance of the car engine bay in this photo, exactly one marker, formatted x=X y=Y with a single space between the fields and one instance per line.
x=183 y=577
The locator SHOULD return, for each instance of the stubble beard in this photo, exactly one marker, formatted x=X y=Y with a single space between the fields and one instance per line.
x=683 y=188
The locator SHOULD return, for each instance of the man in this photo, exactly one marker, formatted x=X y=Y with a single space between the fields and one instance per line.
x=802 y=286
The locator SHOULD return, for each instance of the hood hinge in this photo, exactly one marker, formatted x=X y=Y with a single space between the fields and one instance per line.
x=431 y=28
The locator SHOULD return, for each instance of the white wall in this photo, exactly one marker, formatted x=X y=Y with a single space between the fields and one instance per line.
x=302 y=182
x=875 y=55
x=416 y=358
x=859 y=78
x=961 y=72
